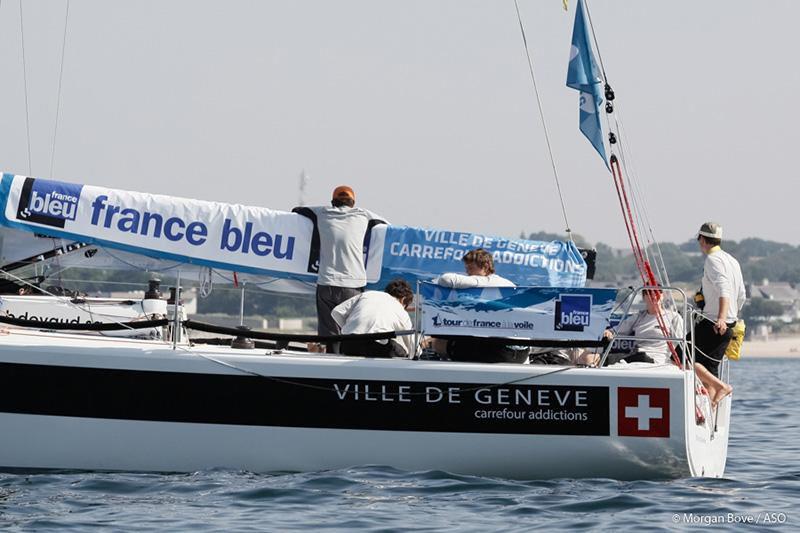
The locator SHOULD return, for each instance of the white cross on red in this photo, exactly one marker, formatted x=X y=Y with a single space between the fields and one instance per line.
x=643 y=413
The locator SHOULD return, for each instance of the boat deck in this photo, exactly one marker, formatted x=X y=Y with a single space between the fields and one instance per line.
x=107 y=352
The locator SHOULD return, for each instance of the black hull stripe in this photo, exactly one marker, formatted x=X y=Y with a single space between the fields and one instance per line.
x=303 y=402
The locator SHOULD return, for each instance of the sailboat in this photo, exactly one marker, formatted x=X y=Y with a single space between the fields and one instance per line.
x=121 y=386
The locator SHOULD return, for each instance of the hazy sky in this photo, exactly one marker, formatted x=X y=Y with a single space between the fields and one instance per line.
x=425 y=107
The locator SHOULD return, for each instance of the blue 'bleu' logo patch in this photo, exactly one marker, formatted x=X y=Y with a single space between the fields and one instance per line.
x=48 y=202
x=573 y=312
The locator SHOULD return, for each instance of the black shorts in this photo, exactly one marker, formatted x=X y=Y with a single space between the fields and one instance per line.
x=478 y=350
x=711 y=344
x=366 y=348
x=635 y=357
x=327 y=299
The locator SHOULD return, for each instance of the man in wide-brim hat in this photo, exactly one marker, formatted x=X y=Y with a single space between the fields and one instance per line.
x=724 y=296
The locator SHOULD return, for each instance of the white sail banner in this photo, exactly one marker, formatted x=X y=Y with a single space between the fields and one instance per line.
x=233 y=237
x=258 y=240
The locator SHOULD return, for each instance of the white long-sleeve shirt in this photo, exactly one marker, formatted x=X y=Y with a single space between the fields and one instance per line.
x=651 y=339
x=463 y=281
x=375 y=312
x=722 y=278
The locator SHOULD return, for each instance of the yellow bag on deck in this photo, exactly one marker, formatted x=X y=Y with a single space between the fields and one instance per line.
x=734 y=349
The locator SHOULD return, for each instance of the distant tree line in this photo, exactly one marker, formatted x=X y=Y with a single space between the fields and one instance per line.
x=759 y=259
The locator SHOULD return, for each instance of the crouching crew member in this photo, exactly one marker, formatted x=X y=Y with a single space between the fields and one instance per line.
x=376 y=312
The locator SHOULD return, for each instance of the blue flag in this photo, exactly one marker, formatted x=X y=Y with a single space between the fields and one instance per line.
x=584 y=76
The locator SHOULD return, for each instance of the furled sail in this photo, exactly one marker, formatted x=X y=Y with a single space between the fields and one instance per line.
x=258 y=240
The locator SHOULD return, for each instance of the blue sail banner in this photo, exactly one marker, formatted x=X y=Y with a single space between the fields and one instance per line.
x=542 y=313
x=258 y=240
x=415 y=253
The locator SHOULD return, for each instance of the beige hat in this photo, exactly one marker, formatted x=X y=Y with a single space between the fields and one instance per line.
x=711 y=230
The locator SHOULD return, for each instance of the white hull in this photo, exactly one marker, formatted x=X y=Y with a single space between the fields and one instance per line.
x=372 y=429
x=92 y=444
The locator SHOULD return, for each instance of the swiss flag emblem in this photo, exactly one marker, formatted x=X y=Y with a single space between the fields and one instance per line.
x=642 y=412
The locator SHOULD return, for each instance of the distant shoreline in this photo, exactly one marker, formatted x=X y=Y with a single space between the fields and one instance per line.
x=779 y=347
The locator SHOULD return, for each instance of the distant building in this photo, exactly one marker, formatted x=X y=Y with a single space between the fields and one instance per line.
x=760 y=332
x=781 y=292
x=290 y=324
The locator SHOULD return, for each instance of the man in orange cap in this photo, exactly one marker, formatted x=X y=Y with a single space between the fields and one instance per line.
x=338 y=246
x=343 y=195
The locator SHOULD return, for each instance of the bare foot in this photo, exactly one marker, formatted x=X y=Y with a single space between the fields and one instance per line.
x=722 y=393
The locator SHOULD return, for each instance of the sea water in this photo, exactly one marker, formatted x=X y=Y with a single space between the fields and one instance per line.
x=760 y=491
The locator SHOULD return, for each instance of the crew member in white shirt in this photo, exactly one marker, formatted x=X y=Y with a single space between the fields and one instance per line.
x=646 y=327
x=376 y=312
x=479 y=266
x=651 y=340
x=339 y=237
x=724 y=295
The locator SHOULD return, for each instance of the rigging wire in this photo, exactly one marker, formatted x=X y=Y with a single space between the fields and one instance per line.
x=63 y=299
x=638 y=206
x=544 y=122
x=658 y=256
x=635 y=201
x=619 y=119
x=631 y=207
x=100 y=281
x=57 y=259
x=640 y=209
x=58 y=98
x=638 y=212
x=636 y=193
x=25 y=82
x=594 y=38
x=644 y=267
x=138 y=267
x=262 y=284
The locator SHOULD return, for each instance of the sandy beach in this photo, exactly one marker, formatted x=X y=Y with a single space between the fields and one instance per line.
x=778 y=347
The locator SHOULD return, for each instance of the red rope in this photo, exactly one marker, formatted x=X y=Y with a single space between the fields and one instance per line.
x=633 y=235
x=617 y=174
x=642 y=264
